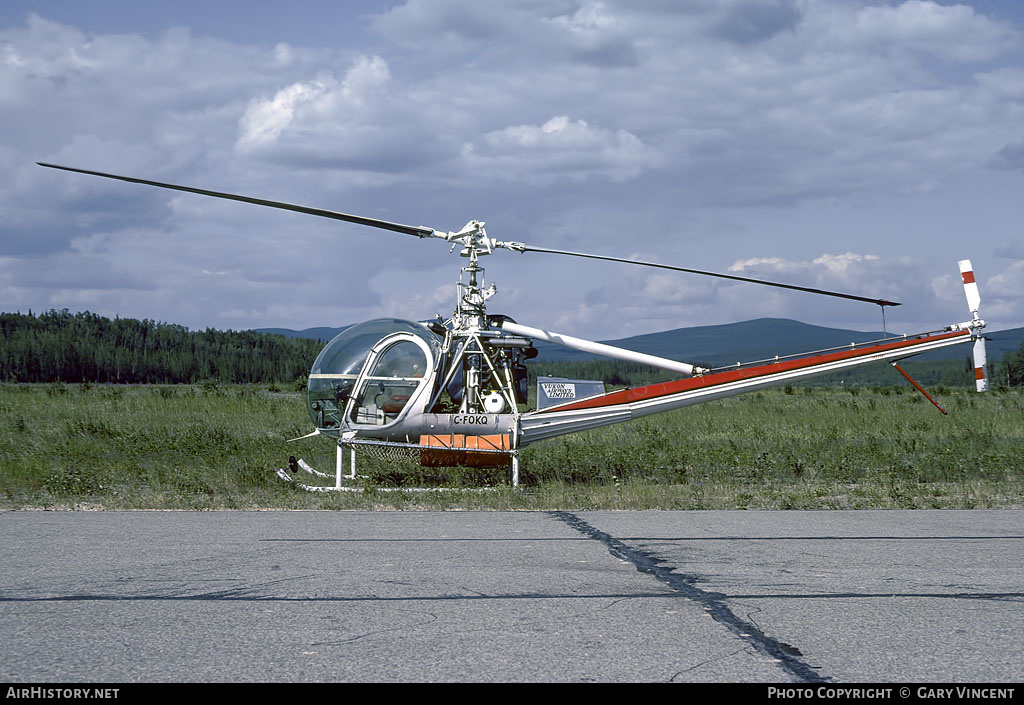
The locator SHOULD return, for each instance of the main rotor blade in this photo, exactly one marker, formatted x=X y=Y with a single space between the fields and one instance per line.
x=418 y=231
x=879 y=302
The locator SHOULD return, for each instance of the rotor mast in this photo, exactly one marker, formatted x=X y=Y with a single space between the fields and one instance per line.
x=471 y=307
x=470 y=317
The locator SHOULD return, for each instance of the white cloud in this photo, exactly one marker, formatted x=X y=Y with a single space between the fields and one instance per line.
x=1008 y=284
x=558 y=148
x=866 y=275
x=313 y=107
x=264 y=121
x=588 y=18
x=951 y=31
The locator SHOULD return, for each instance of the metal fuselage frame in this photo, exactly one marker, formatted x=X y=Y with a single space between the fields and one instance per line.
x=633 y=403
x=473 y=343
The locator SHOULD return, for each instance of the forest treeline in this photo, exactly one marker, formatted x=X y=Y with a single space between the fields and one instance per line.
x=86 y=347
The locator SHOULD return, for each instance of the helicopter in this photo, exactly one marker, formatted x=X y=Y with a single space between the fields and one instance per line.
x=453 y=391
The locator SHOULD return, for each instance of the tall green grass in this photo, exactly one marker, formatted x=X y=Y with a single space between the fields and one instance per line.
x=185 y=447
x=885 y=447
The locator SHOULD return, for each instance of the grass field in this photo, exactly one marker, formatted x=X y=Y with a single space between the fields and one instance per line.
x=181 y=447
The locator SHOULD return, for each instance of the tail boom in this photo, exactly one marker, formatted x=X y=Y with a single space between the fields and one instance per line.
x=627 y=404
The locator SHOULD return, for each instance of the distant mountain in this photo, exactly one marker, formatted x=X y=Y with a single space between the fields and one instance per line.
x=764 y=338
x=1001 y=342
x=731 y=342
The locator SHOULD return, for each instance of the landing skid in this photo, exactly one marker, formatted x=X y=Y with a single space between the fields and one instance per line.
x=296 y=464
x=348 y=482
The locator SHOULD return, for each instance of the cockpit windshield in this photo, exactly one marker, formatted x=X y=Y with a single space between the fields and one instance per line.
x=390 y=381
x=337 y=367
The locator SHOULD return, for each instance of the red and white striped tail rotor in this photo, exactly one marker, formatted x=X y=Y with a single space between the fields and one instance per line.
x=980 y=366
x=970 y=286
x=974 y=303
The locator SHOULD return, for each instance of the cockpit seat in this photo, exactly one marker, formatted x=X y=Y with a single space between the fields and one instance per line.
x=395 y=404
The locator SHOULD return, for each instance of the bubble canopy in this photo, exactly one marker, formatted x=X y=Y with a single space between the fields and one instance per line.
x=338 y=366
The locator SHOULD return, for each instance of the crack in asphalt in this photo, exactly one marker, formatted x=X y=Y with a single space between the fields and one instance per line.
x=712 y=602
x=248 y=596
x=430 y=618
x=706 y=662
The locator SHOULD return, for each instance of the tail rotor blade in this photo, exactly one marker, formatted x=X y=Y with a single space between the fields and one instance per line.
x=970 y=285
x=974 y=303
x=980 y=365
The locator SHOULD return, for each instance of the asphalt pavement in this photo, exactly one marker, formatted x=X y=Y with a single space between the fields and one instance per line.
x=769 y=597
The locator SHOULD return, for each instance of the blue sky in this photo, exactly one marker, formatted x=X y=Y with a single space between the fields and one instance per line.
x=857 y=146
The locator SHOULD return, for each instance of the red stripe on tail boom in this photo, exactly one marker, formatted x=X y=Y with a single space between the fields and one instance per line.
x=627 y=396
